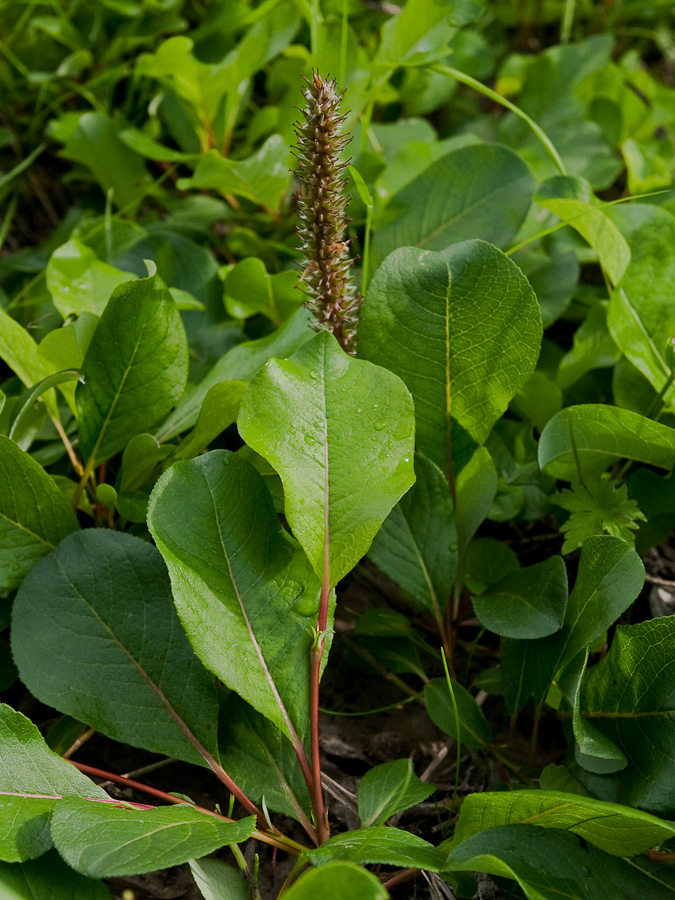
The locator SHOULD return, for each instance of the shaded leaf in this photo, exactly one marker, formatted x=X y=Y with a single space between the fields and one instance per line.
x=335 y=881
x=473 y=727
x=378 y=844
x=528 y=603
x=388 y=789
x=34 y=516
x=218 y=881
x=413 y=547
x=103 y=598
x=48 y=878
x=135 y=368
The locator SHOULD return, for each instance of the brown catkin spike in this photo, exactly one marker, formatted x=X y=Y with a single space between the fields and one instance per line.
x=322 y=206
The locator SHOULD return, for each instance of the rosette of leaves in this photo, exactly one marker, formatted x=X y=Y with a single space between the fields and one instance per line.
x=599 y=506
x=322 y=205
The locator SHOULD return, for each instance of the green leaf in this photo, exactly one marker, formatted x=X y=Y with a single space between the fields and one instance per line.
x=335 y=881
x=261 y=759
x=627 y=697
x=32 y=780
x=135 y=368
x=603 y=435
x=218 y=881
x=20 y=351
x=249 y=289
x=413 y=547
x=476 y=489
x=636 y=878
x=262 y=178
x=80 y=282
x=388 y=789
x=482 y=191
x=529 y=603
x=599 y=506
x=24 y=407
x=96 y=144
x=219 y=411
x=593 y=348
x=434 y=320
x=105 y=841
x=339 y=431
x=593 y=751
x=239 y=580
x=48 y=878
x=96 y=599
x=547 y=865
x=538 y=400
x=34 y=516
x=571 y=199
x=641 y=317
x=241 y=363
x=609 y=578
x=474 y=729
x=487 y=562
x=66 y=347
x=421 y=31
x=616 y=829
x=378 y=844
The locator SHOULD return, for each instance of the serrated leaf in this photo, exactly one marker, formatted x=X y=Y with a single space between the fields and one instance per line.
x=388 y=789
x=135 y=368
x=339 y=431
x=425 y=319
x=34 y=516
x=32 y=780
x=616 y=829
x=104 y=841
x=414 y=545
x=528 y=603
x=103 y=598
x=239 y=580
x=599 y=506
x=603 y=435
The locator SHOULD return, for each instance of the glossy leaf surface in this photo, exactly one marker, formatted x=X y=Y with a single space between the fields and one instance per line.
x=462 y=328
x=339 y=431
x=239 y=581
x=388 y=846
x=335 y=881
x=104 y=599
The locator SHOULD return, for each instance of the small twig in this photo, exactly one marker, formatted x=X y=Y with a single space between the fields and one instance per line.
x=652 y=579
x=90 y=732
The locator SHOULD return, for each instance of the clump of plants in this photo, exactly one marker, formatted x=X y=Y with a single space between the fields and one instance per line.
x=254 y=452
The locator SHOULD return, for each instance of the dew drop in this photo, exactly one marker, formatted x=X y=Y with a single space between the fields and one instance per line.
x=359 y=410
x=313 y=373
x=292 y=429
x=309 y=439
x=379 y=426
x=453 y=547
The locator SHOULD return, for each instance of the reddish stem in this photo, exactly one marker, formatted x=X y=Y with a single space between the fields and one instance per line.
x=280 y=841
x=316 y=790
x=400 y=877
